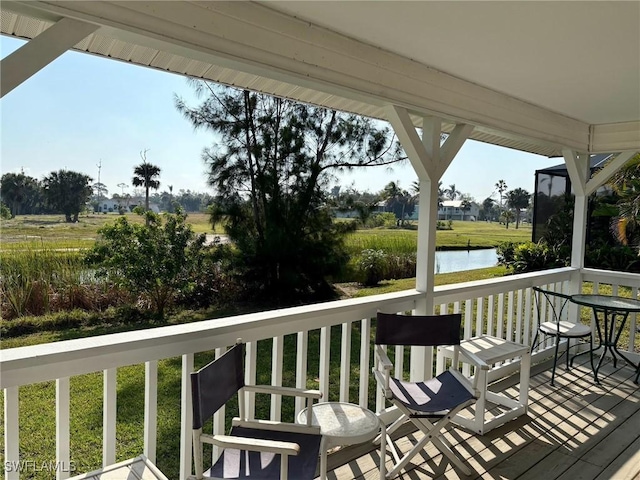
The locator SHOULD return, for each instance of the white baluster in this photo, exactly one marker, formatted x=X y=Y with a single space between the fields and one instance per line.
x=150 y=409
x=276 y=376
x=62 y=428
x=345 y=362
x=325 y=346
x=109 y=417
x=186 y=417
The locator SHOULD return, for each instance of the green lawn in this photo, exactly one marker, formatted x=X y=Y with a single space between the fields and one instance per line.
x=37 y=231
x=463 y=235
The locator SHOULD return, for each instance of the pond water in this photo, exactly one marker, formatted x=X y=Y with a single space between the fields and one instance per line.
x=461 y=260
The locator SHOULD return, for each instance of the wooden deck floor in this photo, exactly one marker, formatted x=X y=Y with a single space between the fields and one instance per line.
x=575 y=430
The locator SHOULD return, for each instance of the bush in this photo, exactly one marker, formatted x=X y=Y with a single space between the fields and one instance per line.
x=5 y=213
x=371 y=266
x=381 y=219
x=530 y=257
x=606 y=257
x=154 y=261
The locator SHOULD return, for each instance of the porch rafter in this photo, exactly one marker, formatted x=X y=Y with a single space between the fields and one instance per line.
x=41 y=51
x=602 y=176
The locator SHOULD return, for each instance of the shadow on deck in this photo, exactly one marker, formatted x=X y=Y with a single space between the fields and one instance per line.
x=576 y=429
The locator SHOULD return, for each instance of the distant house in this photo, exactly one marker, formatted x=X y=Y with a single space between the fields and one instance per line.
x=108 y=205
x=452 y=210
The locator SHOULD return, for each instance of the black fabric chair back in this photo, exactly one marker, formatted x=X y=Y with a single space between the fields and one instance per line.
x=418 y=330
x=214 y=384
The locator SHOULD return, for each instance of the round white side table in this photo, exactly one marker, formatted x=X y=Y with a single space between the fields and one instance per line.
x=343 y=424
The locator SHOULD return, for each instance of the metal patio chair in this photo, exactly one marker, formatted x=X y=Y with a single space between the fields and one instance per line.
x=253 y=448
x=429 y=405
x=554 y=303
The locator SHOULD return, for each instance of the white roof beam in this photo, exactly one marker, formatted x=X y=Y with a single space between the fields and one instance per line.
x=255 y=39
x=41 y=51
x=615 y=137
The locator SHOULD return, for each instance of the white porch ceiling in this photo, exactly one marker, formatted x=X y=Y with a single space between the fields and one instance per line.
x=535 y=76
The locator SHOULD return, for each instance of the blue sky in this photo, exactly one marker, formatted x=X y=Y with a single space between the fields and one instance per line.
x=81 y=110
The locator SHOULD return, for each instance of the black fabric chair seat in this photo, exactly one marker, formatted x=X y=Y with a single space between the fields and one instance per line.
x=440 y=394
x=238 y=464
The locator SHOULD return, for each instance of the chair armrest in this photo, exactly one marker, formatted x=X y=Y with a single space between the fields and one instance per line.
x=276 y=426
x=474 y=359
x=252 y=444
x=383 y=358
x=289 y=391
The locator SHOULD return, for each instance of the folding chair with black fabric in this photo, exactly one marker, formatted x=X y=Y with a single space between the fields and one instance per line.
x=252 y=448
x=429 y=405
x=552 y=306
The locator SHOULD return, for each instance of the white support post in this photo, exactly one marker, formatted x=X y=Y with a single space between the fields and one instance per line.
x=62 y=428
x=325 y=346
x=430 y=161
x=41 y=51
x=109 y=417
x=11 y=433
x=345 y=362
x=186 y=417
x=302 y=350
x=150 y=409
x=579 y=169
x=365 y=335
x=277 y=356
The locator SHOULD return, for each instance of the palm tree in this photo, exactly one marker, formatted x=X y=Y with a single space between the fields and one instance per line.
x=452 y=193
x=518 y=199
x=398 y=200
x=626 y=184
x=465 y=206
x=487 y=207
x=501 y=187
x=144 y=175
x=67 y=192
x=507 y=216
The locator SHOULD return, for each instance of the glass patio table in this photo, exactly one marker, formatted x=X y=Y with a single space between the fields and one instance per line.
x=610 y=311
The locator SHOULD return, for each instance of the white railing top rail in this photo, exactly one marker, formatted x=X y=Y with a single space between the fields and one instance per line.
x=494 y=286
x=614 y=277
x=39 y=363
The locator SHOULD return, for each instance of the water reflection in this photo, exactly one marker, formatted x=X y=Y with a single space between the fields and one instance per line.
x=461 y=260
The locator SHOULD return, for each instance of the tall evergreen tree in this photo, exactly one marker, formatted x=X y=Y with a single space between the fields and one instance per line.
x=270 y=165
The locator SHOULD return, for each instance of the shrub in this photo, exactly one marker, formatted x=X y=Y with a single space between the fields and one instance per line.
x=5 y=213
x=530 y=257
x=371 y=266
x=606 y=257
x=154 y=261
x=381 y=219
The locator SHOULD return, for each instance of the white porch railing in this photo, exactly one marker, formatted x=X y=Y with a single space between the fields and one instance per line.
x=501 y=307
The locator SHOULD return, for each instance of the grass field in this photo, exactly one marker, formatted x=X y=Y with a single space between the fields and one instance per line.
x=51 y=231
x=463 y=235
